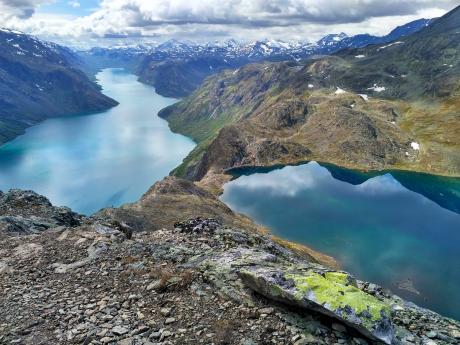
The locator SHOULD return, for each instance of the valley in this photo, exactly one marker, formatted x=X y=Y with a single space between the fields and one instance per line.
x=232 y=193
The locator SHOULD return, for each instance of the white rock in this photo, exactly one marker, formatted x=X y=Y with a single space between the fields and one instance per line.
x=340 y=91
x=415 y=146
x=377 y=88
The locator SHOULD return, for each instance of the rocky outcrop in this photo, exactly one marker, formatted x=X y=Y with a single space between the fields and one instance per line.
x=170 y=200
x=26 y=212
x=195 y=281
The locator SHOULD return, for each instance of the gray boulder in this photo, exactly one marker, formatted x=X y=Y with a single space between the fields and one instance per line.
x=330 y=293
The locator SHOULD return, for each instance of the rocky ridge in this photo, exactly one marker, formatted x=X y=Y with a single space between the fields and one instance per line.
x=115 y=278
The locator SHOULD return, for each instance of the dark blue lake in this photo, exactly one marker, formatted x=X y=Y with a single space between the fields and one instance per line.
x=400 y=229
x=94 y=161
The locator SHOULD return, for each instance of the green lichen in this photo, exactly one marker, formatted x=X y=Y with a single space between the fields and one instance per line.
x=339 y=278
x=276 y=291
x=334 y=291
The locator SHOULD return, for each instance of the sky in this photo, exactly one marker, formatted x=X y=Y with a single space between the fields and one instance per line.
x=107 y=22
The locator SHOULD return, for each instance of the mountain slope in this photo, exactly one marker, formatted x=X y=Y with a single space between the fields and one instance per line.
x=383 y=106
x=38 y=80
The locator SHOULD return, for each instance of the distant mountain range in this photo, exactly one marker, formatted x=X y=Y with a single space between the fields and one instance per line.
x=177 y=68
x=39 y=80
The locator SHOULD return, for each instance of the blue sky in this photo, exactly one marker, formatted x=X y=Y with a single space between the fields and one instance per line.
x=64 y=7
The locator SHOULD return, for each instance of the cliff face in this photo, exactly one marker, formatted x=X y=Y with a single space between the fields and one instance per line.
x=379 y=107
x=138 y=276
x=39 y=80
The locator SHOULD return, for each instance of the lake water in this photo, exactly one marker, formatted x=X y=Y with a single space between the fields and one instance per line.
x=401 y=230
x=95 y=161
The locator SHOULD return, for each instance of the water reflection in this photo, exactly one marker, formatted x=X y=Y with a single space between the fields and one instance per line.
x=377 y=227
x=106 y=159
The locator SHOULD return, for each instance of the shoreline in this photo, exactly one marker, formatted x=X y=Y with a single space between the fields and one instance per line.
x=215 y=182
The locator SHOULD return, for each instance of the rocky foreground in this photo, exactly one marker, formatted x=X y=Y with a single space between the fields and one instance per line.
x=131 y=276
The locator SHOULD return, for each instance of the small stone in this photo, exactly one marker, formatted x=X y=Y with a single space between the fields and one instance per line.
x=266 y=311
x=166 y=334
x=431 y=334
x=154 y=286
x=410 y=338
x=127 y=341
x=308 y=339
x=429 y=342
x=339 y=328
x=165 y=311
x=119 y=330
x=155 y=335
x=170 y=320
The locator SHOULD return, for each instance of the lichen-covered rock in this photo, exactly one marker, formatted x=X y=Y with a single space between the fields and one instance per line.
x=331 y=293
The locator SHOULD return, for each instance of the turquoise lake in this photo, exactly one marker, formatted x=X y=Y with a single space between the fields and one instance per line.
x=95 y=161
x=398 y=229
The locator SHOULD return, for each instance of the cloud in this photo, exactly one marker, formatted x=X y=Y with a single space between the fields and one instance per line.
x=263 y=13
x=22 y=9
x=246 y=19
x=74 y=4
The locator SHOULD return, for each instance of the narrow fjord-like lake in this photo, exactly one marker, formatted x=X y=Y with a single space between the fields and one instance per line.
x=401 y=230
x=101 y=160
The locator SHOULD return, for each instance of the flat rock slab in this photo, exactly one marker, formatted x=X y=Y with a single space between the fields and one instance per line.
x=331 y=293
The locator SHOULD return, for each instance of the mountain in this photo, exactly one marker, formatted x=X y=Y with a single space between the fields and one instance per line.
x=334 y=43
x=388 y=106
x=121 y=56
x=39 y=80
x=177 y=68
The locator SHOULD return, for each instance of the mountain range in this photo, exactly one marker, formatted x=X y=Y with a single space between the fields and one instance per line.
x=39 y=80
x=177 y=68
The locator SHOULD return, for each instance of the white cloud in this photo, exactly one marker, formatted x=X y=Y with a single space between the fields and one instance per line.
x=259 y=12
x=22 y=9
x=244 y=19
x=74 y=4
